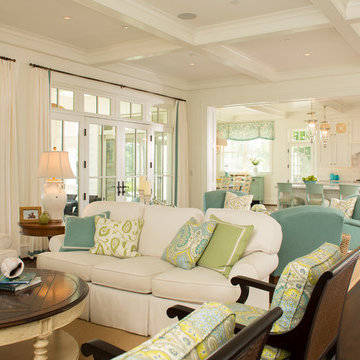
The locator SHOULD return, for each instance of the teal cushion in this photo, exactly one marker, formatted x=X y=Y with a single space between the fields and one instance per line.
x=79 y=232
x=196 y=336
x=189 y=243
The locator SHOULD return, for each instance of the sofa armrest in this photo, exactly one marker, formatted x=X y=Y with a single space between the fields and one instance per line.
x=352 y=222
x=257 y=265
x=56 y=242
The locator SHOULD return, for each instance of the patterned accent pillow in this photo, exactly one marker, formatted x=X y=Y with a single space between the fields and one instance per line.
x=233 y=201
x=294 y=289
x=346 y=206
x=189 y=243
x=195 y=337
x=117 y=238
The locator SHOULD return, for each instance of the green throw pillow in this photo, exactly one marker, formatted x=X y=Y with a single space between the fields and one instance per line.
x=226 y=246
x=79 y=232
x=117 y=238
x=189 y=243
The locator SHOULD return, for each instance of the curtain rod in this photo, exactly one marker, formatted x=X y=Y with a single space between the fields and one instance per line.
x=6 y=58
x=104 y=81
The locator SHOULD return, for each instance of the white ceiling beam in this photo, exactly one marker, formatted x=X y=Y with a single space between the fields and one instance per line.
x=288 y=21
x=335 y=105
x=267 y=110
x=130 y=50
x=240 y=62
x=339 y=22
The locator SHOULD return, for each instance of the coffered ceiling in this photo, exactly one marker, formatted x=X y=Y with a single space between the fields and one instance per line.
x=248 y=41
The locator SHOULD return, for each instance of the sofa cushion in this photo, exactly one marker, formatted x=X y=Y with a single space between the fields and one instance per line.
x=226 y=246
x=132 y=274
x=201 y=285
x=189 y=243
x=116 y=238
x=346 y=206
x=196 y=336
x=79 y=263
x=267 y=233
x=119 y=210
x=161 y=223
x=79 y=232
x=233 y=201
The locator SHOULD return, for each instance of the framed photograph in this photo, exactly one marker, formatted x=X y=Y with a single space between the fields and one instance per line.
x=29 y=214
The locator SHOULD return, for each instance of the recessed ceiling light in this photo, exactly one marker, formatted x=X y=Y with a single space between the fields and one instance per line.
x=287 y=40
x=307 y=54
x=67 y=17
x=191 y=64
x=125 y=27
x=187 y=16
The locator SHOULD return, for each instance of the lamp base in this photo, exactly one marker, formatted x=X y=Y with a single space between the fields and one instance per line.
x=54 y=199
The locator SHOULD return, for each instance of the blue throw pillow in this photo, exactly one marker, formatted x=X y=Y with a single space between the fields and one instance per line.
x=79 y=232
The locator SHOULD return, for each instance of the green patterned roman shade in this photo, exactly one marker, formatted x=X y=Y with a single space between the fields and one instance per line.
x=244 y=131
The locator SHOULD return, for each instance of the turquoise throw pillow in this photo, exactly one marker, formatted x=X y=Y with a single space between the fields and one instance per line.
x=79 y=232
x=189 y=243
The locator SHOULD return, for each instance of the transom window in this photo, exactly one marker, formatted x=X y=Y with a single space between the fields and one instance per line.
x=62 y=99
x=130 y=110
x=97 y=104
x=159 y=115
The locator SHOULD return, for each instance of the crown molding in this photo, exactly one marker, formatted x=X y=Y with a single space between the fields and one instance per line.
x=303 y=19
x=27 y=40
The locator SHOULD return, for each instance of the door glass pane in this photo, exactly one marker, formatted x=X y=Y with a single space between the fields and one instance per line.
x=154 y=114
x=90 y=103
x=167 y=186
x=95 y=190
x=71 y=143
x=140 y=152
x=103 y=105
x=130 y=161
x=300 y=162
x=110 y=150
x=163 y=116
x=95 y=149
x=56 y=134
x=167 y=151
x=110 y=189
x=66 y=99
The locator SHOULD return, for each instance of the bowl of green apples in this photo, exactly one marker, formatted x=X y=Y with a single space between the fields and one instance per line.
x=309 y=179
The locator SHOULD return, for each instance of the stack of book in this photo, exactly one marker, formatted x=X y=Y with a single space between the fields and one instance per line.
x=22 y=282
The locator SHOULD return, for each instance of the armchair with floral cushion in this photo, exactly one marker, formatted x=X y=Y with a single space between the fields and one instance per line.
x=308 y=291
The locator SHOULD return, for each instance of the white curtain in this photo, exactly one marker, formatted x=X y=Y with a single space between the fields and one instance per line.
x=9 y=189
x=39 y=111
x=182 y=158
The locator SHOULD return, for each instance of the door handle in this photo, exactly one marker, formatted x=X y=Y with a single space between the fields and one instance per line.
x=121 y=188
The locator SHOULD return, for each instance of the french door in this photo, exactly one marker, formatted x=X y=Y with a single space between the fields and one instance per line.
x=116 y=155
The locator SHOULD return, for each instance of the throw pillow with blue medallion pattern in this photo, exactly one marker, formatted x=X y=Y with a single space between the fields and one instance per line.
x=189 y=243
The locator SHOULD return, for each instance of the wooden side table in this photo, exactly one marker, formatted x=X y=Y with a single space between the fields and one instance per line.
x=37 y=229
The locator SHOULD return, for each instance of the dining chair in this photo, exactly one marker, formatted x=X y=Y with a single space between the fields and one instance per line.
x=241 y=182
x=348 y=190
x=246 y=184
x=286 y=197
x=225 y=182
x=315 y=194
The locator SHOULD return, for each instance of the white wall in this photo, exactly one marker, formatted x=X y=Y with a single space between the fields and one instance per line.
x=317 y=88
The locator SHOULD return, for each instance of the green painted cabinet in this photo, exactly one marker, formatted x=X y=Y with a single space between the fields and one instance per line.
x=257 y=188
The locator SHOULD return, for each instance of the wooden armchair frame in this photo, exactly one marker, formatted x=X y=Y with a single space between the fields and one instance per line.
x=316 y=335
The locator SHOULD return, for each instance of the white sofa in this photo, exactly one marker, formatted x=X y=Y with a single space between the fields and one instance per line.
x=133 y=294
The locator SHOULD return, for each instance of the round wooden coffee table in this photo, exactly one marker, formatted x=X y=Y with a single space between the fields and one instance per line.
x=38 y=311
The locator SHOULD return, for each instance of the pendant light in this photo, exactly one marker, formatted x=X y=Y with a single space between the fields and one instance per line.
x=324 y=132
x=311 y=124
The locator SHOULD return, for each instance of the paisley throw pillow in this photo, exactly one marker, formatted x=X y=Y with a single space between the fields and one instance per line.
x=346 y=206
x=117 y=238
x=189 y=243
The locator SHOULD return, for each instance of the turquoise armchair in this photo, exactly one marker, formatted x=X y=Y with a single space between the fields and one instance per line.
x=216 y=199
x=352 y=225
x=304 y=229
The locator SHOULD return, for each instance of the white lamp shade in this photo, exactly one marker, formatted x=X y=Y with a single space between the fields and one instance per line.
x=55 y=164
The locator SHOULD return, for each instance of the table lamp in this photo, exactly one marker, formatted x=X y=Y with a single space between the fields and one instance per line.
x=54 y=166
